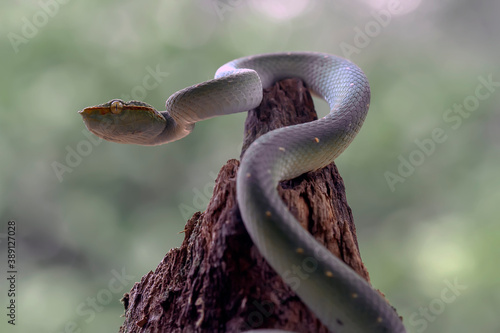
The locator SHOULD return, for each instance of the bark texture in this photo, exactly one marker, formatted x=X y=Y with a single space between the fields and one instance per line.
x=217 y=281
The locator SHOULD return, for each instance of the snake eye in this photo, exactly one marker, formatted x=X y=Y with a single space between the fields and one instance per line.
x=116 y=107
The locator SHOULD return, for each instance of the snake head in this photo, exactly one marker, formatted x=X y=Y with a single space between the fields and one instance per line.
x=130 y=122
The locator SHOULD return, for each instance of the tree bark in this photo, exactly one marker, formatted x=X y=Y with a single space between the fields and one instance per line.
x=217 y=281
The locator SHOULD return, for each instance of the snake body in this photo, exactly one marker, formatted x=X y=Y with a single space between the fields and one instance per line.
x=339 y=297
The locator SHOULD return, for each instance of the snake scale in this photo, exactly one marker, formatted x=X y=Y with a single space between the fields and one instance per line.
x=339 y=297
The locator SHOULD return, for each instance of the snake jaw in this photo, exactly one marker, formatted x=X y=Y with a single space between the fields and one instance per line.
x=124 y=122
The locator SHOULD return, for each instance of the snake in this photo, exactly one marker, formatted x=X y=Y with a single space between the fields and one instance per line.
x=342 y=300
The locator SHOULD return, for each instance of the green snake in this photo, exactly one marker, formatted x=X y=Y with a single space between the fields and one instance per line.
x=339 y=297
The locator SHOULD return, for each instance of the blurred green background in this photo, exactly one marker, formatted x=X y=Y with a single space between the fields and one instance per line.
x=421 y=177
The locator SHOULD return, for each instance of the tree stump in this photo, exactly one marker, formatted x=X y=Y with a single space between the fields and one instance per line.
x=217 y=281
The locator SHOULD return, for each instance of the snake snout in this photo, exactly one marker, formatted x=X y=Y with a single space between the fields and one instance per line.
x=121 y=123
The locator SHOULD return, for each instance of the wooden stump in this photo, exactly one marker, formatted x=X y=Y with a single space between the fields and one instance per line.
x=217 y=280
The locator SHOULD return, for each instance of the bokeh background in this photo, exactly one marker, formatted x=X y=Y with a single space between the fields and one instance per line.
x=93 y=217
